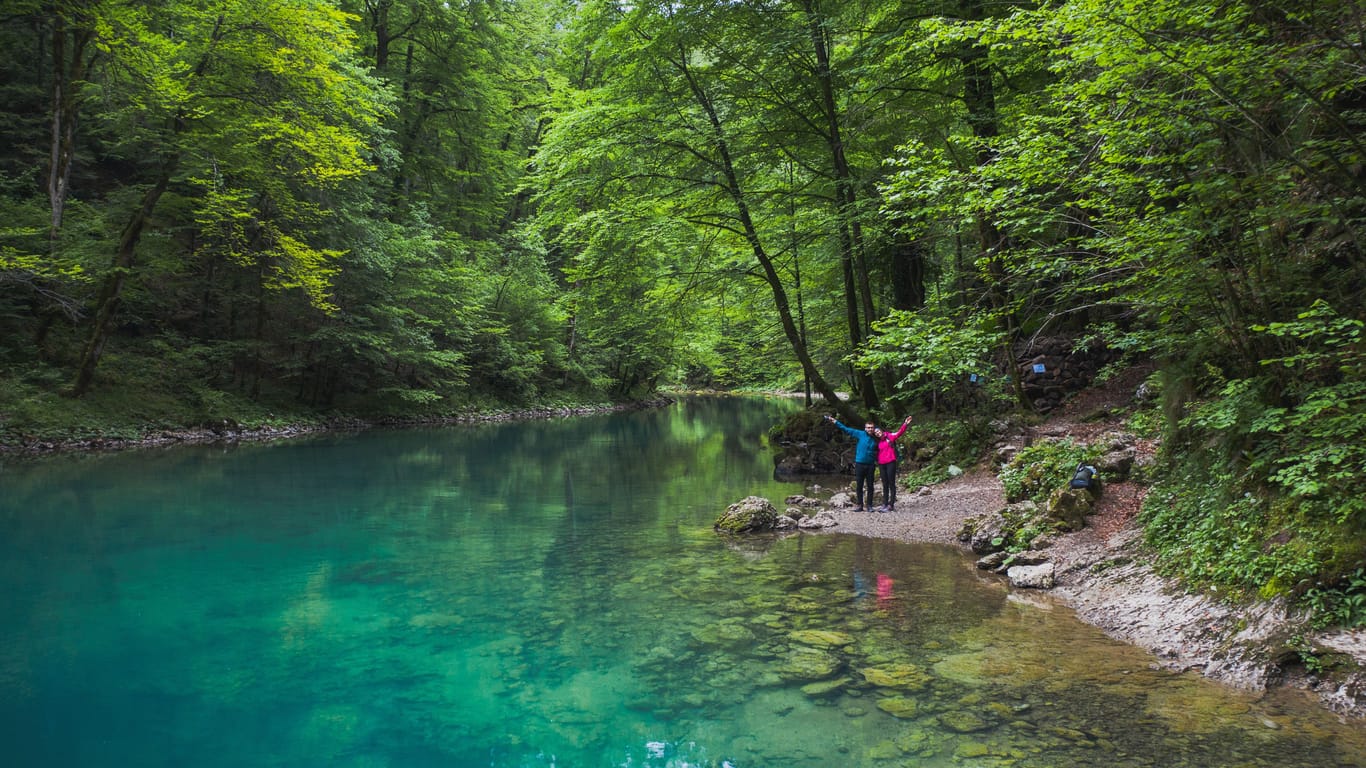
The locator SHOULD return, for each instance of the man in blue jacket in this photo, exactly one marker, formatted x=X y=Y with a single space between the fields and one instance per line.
x=865 y=460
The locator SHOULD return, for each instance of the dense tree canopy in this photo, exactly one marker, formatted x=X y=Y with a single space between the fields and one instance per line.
x=234 y=209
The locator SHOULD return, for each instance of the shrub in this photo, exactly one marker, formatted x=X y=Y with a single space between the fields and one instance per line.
x=1040 y=469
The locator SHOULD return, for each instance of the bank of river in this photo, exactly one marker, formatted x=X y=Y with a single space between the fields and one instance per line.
x=231 y=431
x=1105 y=575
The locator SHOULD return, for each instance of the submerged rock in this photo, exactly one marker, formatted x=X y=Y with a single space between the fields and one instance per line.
x=724 y=634
x=963 y=722
x=823 y=688
x=822 y=638
x=901 y=676
x=804 y=663
x=900 y=707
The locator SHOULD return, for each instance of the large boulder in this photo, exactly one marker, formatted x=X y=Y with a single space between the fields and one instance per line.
x=992 y=532
x=1068 y=508
x=1032 y=576
x=1116 y=465
x=750 y=514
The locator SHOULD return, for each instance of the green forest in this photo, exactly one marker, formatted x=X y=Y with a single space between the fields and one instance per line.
x=272 y=211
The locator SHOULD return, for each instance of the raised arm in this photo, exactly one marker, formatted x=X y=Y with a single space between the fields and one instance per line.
x=850 y=430
x=901 y=431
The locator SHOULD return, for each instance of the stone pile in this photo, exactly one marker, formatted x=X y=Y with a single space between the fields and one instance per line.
x=1052 y=368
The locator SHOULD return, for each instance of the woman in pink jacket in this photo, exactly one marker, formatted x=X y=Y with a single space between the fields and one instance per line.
x=886 y=464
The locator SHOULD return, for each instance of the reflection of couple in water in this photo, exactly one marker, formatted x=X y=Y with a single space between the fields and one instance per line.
x=883 y=589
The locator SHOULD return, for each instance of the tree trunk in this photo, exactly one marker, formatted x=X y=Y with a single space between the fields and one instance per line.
x=908 y=276
x=979 y=96
x=68 y=69
x=111 y=293
x=735 y=191
x=859 y=295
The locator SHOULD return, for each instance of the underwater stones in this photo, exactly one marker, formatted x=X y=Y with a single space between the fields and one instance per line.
x=798 y=607
x=803 y=663
x=435 y=621
x=884 y=750
x=914 y=740
x=752 y=513
x=900 y=707
x=970 y=750
x=769 y=680
x=907 y=677
x=1003 y=711
x=1070 y=734
x=824 y=688
x=822 y=638
x=728 y=634
x=963 y=722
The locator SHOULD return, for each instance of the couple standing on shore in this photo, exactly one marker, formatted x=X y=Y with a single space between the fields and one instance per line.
x=874 y=449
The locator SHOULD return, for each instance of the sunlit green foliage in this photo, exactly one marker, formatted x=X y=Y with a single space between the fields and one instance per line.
x=1184 y=178
x=403 y=208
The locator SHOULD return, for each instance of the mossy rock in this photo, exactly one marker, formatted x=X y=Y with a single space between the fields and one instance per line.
x=804 y=663
x=822 y=638
x=823 y=688
x=963 y=722
x=906 y=677
x=750 y=514
x=900 y=707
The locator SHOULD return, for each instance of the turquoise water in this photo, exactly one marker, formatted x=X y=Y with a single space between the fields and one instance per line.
x=539 y=594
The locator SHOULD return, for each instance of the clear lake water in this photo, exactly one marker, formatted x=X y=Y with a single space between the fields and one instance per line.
x=549 y=594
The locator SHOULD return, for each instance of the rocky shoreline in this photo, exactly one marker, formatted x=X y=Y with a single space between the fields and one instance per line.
x=1102 y=571
x=229 y=431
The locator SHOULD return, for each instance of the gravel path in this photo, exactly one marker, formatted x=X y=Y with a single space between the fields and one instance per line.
x=934 y=516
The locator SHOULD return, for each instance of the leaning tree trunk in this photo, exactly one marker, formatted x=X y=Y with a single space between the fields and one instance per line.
x=111 y=293
x=733 y=188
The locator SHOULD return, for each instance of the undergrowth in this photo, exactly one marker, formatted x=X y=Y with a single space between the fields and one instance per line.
x=1038 y=470
x=1214 y=525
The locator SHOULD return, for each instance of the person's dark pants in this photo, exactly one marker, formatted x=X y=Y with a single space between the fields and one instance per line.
x=863 y=475
x=888 y=472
